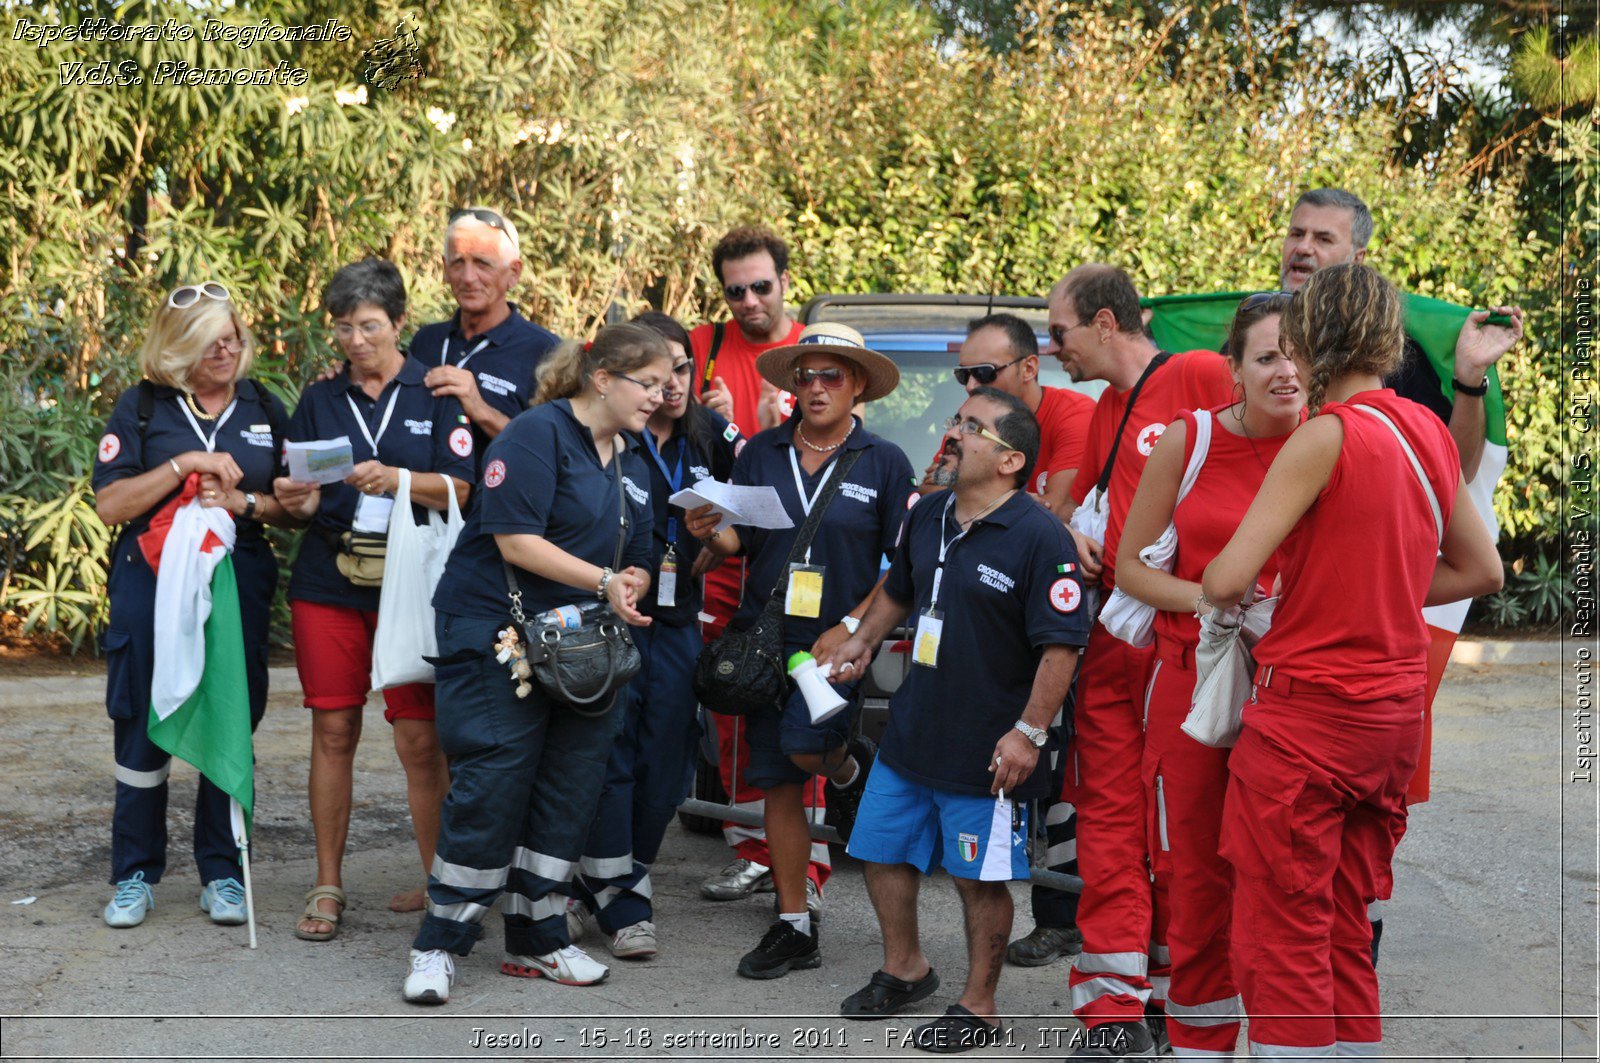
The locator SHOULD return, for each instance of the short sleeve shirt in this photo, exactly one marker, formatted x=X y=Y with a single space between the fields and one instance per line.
x=736 y=365
x=417 y=432
x=542 y=476
x=503 y=360
x=682 y=462
x=1010 y=587
x=860 y=526
x=1064 y=417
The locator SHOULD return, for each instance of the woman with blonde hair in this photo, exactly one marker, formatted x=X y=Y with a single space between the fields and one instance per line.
x=1367 y=506
x=194 y=427
x=526 y=768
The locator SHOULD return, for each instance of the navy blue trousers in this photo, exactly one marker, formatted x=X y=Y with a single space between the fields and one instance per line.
x=139 y=815
x=525 y=777
x=648 y=776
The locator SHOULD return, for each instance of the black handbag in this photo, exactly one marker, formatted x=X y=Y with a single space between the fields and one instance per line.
x=582 y=655
x=743 y=671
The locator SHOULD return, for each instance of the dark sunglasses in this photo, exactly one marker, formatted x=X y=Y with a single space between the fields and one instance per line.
x=735 y=292
x=488 y=217
x=832 y=379
x=985 y=374
x=1260 y=299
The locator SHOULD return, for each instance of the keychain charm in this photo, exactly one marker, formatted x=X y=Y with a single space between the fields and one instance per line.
x=509 y=650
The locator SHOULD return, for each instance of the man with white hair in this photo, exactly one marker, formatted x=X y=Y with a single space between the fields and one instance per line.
x=486 y=353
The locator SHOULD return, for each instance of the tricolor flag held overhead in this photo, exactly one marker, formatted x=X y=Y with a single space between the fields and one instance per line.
x=1200 y=322
x=199 y=696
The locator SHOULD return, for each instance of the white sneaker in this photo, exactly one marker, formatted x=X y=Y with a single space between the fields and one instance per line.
x=568 y=966
x=636 y=941
x=432 y=974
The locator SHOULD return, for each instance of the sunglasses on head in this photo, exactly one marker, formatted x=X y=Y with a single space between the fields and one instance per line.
x=984 y=374
x=488 y=217
x=186 y=296
x=1260 y=299
x=832 y=379
x=735 y=292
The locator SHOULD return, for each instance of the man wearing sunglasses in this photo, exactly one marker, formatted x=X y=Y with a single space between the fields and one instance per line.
x=486 y=353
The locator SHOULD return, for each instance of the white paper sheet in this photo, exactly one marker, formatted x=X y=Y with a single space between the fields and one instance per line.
x=758 y=507
x=319 y=461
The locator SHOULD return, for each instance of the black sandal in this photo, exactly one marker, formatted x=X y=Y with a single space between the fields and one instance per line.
x=885 y=994
x=957 y=1030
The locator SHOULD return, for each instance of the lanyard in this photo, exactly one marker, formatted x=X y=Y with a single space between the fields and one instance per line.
x=383 y=425
x=674 y=478
x=444 y=352
x=944 y=548
x=806 y=502
x=209 y=442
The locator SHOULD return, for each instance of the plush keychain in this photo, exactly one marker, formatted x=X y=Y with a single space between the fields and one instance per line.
x=509 y=650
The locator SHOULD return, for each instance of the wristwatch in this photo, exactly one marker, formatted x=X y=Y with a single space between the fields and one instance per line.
x=1476 y=392
x=1036 y=735
x=851 y=624
x=605 y=581
x=250 y=501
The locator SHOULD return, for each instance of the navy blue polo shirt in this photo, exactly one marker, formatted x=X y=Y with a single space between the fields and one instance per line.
x=244 y=431
x=502 y=360
x=1011 y=587
x=542 y=476
x=423 y=434
x=683 y=462
x=859 y=528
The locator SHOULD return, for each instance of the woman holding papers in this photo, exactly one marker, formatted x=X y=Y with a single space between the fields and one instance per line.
x=1367 y=505
x=378 y=404
x=653 y=759
x=826 y=589
x=194 y=428
x=1184 y=780
x=563 y=518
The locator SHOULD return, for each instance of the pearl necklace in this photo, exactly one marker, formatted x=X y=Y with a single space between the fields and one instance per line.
x=800 y=431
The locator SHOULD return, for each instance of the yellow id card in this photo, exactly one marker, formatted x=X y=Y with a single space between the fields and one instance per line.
x=925 y=647
x=804 y=596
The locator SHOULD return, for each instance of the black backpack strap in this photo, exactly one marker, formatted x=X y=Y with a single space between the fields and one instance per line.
x=147 y=406
x=1116 y=441
x=717 y=332
x=808 y=530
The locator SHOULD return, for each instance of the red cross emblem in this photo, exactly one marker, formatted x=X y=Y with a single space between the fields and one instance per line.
x=110 y=447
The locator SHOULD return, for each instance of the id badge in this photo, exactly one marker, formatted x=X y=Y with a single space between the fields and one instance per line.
x=925 y=647
x=804 y=596
x=667 y=584
x=372 y=514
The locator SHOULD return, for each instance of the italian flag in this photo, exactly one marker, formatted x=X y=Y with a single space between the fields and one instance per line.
x=1200 y=322
x=199 y=694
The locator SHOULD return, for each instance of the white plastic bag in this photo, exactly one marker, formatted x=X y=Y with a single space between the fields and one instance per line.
x=1125 y=616
x=414 y=563
x=1224 y=672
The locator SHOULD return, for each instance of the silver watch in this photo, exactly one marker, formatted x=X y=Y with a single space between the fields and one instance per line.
x=1036 y=735
x=851 y=624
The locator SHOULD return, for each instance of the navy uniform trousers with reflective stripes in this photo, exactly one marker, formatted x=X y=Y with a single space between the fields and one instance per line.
x=525 y=776
x=649 y=774
x=139 y=817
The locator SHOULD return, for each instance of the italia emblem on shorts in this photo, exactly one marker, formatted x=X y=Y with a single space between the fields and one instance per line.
x=461 y=442
x=967 y=845
x=110 y=447
x=495 y=474
x=1148 y=436
x=1065 y=595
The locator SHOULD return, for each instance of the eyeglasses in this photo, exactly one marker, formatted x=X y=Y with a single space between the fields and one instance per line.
x=656 y=390
x=186 y=296
x=1260 y=299
x=985 y=373
x=489 y=218
x=832 y=379
x=1059 y=334
x=369 y=329
x=970 y=427
x=735 y=292
x=232 y=345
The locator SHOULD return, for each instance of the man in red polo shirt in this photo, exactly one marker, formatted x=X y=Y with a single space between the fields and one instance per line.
x=1097 y=331
x=752 y=265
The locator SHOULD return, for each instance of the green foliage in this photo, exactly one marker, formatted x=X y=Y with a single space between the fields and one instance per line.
x=1552 y=82
x=1539 y=593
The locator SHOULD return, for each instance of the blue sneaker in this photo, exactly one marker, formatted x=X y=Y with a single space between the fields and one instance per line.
x=223 y=898
x=132 y=901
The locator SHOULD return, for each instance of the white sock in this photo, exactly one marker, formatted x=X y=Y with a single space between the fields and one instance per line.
x=801 y=922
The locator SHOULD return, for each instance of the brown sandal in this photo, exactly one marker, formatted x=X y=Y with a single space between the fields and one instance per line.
x=313 y=913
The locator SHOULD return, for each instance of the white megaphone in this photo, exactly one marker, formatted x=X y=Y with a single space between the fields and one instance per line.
x=821 y=699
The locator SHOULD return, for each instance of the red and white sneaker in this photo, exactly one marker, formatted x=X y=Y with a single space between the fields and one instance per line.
x=568 y=966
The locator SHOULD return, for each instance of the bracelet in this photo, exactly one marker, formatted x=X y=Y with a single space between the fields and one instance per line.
x=174 y=463
x=1478 y=392
x=605 y=581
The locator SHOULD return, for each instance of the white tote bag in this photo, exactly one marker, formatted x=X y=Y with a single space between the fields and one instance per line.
x=414 y=563
x=1125 y=616
x=1224 y=672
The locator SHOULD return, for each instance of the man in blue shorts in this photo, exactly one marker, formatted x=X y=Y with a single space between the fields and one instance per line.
x=986 y=574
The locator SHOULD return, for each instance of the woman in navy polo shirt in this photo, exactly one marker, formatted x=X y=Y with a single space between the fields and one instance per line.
x=830 y=369
x=194 y=414
x=526 y=772
x=393 y=422
x=652 y=761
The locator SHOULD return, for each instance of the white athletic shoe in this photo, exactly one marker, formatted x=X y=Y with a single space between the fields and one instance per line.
x=568 y=966
x=637 y=941
x=432 y=974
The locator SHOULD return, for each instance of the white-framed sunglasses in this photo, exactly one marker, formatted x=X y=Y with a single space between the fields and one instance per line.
x=189 y=294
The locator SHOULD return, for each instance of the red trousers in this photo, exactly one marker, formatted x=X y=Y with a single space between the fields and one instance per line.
x=1185 y=783
x=1112 y=977
x=1315 y=808
x=722 y=589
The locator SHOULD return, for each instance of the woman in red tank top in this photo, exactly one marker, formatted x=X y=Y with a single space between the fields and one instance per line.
x=1315 y=802
x=1185 y=781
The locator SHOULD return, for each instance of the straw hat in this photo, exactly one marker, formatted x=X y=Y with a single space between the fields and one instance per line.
x=841 y=341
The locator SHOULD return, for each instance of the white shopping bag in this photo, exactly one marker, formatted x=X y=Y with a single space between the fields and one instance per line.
x=413 y=565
